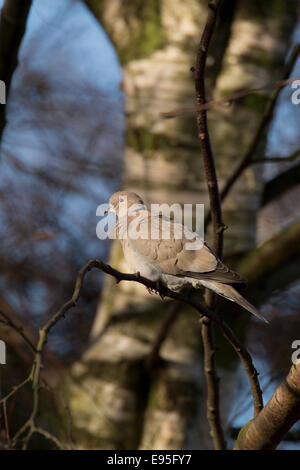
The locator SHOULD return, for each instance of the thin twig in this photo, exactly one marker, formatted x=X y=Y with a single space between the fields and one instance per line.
x=207 y=328
x=203 y=133
x=15 y=390
x=35 y=373
x=48 y=436
x=8 y=321
x=229 y=99
x=246 y=160
x=201 y=309
x=30 y=427
x=290 y=158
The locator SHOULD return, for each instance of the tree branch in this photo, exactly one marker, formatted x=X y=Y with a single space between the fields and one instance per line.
x=19 y=329
x=29 y=427
x=275 y=252
x=266 y=118
x=203 y=310
x=207 y=330
x=289 y=158
x=269 y=427
x=229 y=99
x=286 y=180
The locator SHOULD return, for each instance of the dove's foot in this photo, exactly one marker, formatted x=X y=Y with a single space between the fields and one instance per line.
x=158 y=289
x=151 y=291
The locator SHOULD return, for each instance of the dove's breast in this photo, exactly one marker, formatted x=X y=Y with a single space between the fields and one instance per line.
x=139 y=263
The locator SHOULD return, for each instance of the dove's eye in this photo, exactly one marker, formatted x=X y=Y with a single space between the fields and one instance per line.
x=121 y=199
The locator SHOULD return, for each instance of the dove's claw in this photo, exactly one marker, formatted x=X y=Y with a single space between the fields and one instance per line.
x=158 y=289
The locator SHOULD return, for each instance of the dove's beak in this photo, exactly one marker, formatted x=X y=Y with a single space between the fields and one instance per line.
x=111 y=209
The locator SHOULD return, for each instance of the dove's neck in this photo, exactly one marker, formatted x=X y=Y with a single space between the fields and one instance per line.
x=124 y=221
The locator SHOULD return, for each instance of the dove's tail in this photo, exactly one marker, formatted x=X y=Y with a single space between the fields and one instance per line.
x=227 y=291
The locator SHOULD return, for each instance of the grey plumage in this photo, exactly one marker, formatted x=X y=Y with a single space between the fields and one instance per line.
x=166 y=258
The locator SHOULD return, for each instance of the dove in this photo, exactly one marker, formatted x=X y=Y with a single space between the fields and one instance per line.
x=165 y=251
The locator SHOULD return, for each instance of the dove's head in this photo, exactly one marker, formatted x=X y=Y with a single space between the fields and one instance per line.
x=122 y=201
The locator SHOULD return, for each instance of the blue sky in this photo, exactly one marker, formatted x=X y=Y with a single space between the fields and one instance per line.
x=89 y=51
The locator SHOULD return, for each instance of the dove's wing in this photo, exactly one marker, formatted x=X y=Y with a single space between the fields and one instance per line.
x=159 y=241
x=169 y=251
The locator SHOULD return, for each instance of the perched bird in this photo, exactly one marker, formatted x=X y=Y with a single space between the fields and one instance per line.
x=160 y=249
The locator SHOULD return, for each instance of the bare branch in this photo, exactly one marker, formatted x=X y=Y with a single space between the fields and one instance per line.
x=203 y=310
x=289 y=158
x=8 y=321
x=246 y=160
x=275 y=252
x=29 y=427
x=165 y=292
x=15 y=390
x=266 y=118
x=48 y=436
x=207 y=329
x=275 y=187
x=227 y=100
x=268 y=428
